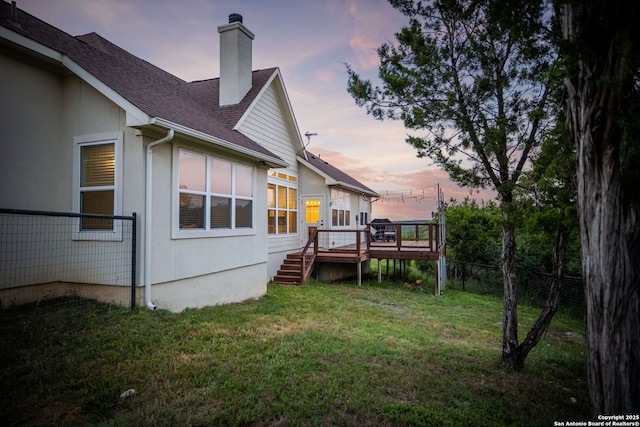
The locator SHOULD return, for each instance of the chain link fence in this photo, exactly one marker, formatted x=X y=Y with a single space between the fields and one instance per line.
x=533 y=287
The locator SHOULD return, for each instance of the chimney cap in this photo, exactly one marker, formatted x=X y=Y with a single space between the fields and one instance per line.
x=235 y=17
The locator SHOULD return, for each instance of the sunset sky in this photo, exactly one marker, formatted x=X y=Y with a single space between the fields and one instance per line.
x=310 y=41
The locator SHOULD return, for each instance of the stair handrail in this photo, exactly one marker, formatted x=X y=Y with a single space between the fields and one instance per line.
x=308 y=259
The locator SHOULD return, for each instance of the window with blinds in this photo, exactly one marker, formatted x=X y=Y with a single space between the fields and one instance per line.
x=214 y=193
x=97 y=184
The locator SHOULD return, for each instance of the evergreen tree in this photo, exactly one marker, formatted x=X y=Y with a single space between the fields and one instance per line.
x=475 y=80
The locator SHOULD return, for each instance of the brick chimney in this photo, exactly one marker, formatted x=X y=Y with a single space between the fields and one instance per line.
x=235 y=60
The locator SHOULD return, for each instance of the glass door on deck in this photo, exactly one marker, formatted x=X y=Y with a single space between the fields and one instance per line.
x=313 y=215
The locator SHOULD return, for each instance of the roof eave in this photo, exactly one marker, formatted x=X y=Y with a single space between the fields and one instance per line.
x=357 y=189
x=135 y=116
x=29 y=44
x=331 y=182
x=269 y=161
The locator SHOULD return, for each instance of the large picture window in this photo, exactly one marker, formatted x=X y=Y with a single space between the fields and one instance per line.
x=214 y=193
x=282 y=203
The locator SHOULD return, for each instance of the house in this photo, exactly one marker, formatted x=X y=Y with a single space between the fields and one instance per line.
x=349 y=201
x=346 y=201
x=215 y=169
x=333 y=200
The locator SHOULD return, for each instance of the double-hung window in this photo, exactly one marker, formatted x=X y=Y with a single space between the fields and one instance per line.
x=97 y=180
x=214 y=194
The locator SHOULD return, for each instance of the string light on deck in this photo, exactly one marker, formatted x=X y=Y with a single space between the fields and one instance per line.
x=429 y=194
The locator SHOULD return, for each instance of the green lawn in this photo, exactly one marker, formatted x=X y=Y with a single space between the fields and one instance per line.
x=320 y=354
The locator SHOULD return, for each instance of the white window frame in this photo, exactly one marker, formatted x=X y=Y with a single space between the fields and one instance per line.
x=341 y=202
x=185 y=233
x=363 y=218
x=288 y=181
x=79 y=141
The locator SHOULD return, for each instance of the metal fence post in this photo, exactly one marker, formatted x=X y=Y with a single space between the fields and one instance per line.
x=134 y=238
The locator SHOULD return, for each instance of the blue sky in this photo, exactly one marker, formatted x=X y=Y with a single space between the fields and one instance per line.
x=310 y=41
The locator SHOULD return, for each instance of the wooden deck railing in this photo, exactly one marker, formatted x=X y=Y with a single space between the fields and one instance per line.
x=405 y=235
x=308 y=257
x=398 y=240
x=351 y=241
x=389 y=236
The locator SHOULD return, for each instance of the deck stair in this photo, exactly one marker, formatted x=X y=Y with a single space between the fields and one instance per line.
x=290 y=271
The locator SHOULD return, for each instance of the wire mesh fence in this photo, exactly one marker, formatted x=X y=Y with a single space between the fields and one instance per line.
x=57 y=258
x=532 y=286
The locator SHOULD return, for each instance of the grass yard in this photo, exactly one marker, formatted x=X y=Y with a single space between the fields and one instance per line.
x=320 y=354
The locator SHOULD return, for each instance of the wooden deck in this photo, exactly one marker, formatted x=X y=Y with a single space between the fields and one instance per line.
x=380 y=250
x=341 y=256
x=396 y=241
x=408 y=241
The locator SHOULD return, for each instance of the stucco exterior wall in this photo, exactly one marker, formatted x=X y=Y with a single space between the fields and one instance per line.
x=31 y=144
x=42 y=112
x=223 y=287
x=226 y=262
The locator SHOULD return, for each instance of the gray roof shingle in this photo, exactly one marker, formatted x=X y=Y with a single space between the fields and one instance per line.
x=336 y=174
x=151 y=89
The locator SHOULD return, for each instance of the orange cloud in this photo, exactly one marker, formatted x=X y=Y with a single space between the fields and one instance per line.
x=371 y=21
x=365 y=51
x=405 y=194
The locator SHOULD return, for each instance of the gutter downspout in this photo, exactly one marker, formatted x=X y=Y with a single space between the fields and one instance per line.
x=147 y=217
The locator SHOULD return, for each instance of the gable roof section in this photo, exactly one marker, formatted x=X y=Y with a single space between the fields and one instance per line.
x=208 y=93
x=335 y=176
x=163 y=97
x=276 y=82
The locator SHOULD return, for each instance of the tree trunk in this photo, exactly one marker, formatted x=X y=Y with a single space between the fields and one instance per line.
x=610 y=261
x=511 y=357
x=609 y=224
x=551 y=306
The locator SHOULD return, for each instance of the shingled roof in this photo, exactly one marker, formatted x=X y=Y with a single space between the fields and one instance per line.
x=337 y=175
x=152 y=90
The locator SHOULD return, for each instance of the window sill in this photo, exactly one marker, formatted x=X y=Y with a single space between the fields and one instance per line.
x=211 y=234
